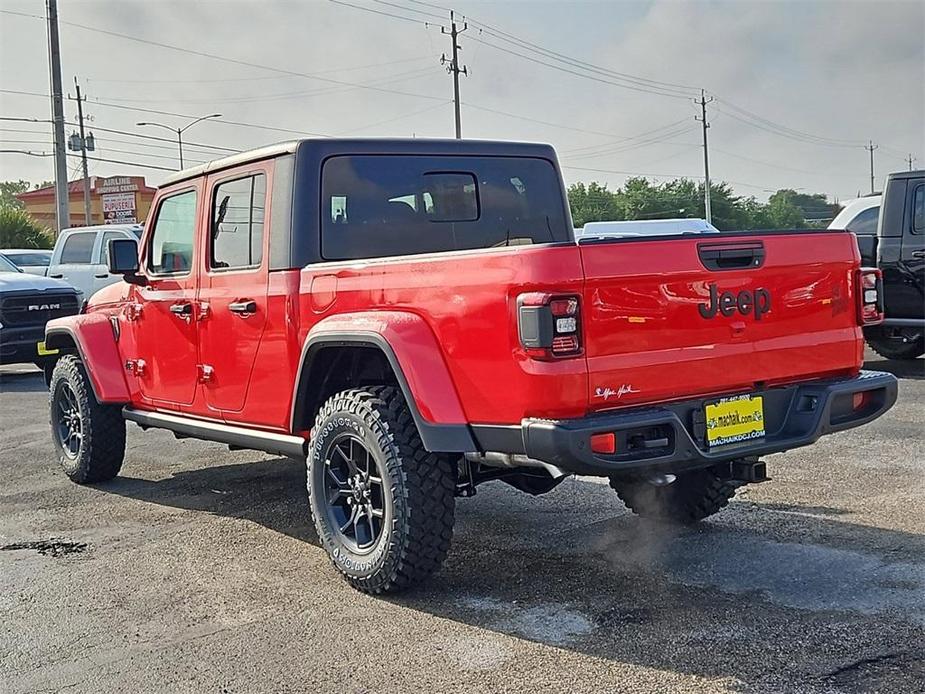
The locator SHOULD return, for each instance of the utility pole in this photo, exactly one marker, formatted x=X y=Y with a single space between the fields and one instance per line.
x=83 y=154
x=870 y=147
x=706 y=154
x=910 y=159
x=452 y=66
x=62 y=203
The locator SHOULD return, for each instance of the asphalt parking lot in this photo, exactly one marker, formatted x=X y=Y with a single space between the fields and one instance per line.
x=198 y=570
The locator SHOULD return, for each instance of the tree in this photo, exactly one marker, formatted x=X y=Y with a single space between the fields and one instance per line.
x=682 y=198
x=19 y=230
x=592 y=203
x=10 y=189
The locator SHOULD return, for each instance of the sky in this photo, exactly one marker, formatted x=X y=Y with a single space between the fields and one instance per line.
x=797 y=88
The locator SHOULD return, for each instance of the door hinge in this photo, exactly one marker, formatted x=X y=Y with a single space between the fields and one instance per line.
x=135 y=366
x=133 y=311
x=206 y=372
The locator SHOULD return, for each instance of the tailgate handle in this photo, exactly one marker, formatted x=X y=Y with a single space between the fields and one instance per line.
x=731 y=256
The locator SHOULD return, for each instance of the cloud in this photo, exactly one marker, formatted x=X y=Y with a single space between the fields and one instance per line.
x=845 y=70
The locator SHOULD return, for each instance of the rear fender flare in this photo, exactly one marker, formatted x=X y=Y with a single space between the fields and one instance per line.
x=92 y=336
x=416 y=359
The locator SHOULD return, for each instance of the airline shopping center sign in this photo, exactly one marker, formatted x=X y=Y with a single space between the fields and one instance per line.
x=118 y=198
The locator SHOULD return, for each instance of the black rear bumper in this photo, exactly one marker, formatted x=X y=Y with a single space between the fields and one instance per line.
x=672 y=437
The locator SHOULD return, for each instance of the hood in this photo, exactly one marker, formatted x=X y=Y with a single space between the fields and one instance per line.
x=22 y=281
x=111 y=294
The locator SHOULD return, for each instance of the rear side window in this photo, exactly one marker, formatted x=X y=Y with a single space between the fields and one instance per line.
x=377 y=206
x=107 y=237
x=865 y=223
x=171 y=249
x=918 y=210
x=238 y=208
x=78 y=248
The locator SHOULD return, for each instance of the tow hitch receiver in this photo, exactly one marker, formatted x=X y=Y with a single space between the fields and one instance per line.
x=748 y=470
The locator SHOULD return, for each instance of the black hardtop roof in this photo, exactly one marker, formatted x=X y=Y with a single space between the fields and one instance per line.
x=325 y=147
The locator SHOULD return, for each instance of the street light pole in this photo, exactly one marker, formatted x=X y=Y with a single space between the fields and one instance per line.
x=179 y=131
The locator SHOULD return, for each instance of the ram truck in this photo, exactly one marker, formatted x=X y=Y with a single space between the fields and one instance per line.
x=414 y=318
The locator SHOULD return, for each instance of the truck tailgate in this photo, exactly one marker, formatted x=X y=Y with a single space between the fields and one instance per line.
x=684 y=317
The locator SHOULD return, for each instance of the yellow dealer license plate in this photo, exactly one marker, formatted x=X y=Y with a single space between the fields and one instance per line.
x=735 y=419
x=44 y=351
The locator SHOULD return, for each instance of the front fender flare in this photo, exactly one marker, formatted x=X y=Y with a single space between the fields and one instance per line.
x=416 y=359
x=91 y=334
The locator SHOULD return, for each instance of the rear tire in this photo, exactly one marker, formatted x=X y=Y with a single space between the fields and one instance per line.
x=880 y=340
x=692 y=497
x=89 y=438
x=383 y=506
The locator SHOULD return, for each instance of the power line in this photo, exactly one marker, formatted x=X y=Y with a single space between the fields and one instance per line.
x=102 y=159
x=610 y=81
x=236 y=61
x=261 y=77
x=261 y=98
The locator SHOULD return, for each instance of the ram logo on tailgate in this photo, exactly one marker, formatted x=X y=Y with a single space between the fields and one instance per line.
x=757 y=302
x=44 y=307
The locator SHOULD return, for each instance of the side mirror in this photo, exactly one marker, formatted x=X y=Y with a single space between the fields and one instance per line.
x=123 y=260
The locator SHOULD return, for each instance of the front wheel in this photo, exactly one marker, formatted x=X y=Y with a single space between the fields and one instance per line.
x=89 y=437
x=691 y=497
x=382 y=505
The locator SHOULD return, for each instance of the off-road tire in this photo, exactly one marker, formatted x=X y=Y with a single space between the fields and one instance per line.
x=417 y=529
x=102 y=445
x=892 y=348
x=690 y=498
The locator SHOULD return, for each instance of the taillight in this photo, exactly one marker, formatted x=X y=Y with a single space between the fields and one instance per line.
x=549 y=324
x=870 y=296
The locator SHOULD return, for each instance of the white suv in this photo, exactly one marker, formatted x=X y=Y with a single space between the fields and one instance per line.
x=81 y=254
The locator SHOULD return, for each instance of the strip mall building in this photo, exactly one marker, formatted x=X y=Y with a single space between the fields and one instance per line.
x=113 y=200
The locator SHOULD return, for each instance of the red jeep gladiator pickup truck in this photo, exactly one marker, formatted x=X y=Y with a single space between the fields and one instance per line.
x=416 y=317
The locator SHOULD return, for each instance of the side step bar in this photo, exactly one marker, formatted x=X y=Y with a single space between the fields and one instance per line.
x=238 y=437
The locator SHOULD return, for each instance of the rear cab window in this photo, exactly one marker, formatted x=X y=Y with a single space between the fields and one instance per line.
x=388 y=205
x=104 y=244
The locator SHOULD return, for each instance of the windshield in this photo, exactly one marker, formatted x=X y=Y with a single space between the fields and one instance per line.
x=6 y=265
x=40 y=258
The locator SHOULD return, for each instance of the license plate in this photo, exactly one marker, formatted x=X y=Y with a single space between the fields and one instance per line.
x=736 y=419
x=44 y=351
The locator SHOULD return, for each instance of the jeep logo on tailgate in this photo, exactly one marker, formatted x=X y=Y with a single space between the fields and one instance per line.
x=757 y=302
x=44 y=307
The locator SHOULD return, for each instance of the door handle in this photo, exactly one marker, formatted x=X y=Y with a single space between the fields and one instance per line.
x=182 y=310
x=918 y=254
x=244 y=307
x=57 y=277
x=102 y=277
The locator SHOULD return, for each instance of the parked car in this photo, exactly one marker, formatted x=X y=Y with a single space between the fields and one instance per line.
x=647 y=227
x=899 y=250
x=415 y=318
x=860 y=216
x=32 y=260
x=80 y=255
x=27 y=303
